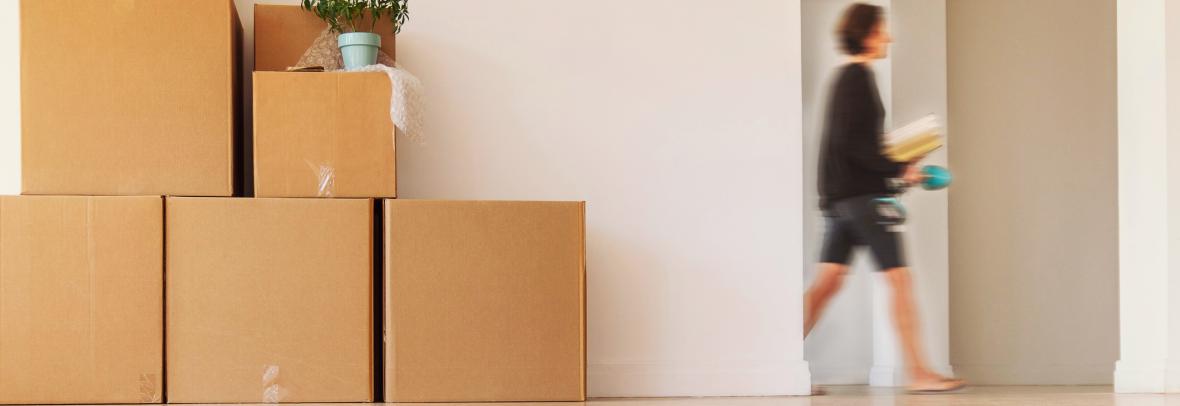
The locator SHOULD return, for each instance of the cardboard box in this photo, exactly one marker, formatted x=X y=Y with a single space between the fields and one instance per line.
x=132 y=97
x=484 y=301
x=269 y=300
x=283 y=33
x=81 y=299
x=323 y=135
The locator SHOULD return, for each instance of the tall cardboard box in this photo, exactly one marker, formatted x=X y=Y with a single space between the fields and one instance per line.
x=128 y=97
x=484 y=301
x=282 y=33
x=81 y=299
x=323 y=135
x=269 y=300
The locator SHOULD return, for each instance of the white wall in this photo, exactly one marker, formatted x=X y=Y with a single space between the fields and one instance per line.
x=1148 y=42
x=10 y=98
x=679 y=122
x=1171 y=51
x=1149 y=194
x=1034 y=210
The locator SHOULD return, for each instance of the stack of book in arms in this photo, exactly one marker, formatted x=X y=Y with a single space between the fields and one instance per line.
x=914 y=140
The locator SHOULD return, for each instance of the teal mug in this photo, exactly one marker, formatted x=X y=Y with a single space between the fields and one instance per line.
x=935 y=177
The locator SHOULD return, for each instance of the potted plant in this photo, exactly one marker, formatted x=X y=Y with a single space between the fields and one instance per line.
x=355 y=21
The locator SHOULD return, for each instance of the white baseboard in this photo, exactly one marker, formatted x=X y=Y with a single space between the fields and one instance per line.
x=886 y=376
x=784 y=378
x=1172 y=376
x=1016 y=374
x=1132 y=377
x=839 y=374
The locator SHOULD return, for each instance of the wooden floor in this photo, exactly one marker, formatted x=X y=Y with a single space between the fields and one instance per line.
x=865 y=396
x=983 y=395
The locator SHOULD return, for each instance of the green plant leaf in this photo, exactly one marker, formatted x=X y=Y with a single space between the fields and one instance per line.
x=349 y=15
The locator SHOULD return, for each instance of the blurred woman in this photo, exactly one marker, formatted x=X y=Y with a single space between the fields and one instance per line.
x=853 y=174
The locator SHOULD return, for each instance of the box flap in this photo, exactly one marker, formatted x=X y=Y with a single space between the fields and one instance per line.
x=283 y=33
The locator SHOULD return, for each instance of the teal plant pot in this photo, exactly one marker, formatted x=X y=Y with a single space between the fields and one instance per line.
x=359 y=49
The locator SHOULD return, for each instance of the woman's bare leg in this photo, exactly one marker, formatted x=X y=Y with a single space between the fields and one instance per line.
x=905 y=318
x=826 y=284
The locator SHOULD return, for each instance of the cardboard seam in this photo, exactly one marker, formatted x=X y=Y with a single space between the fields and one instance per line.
x=583 y=294
x=162 y=392
x=341 y=103
x=90 y=265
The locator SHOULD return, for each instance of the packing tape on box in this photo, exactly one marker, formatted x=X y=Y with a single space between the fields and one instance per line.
x=149 y=392
x=272 y=392
x=325 y=176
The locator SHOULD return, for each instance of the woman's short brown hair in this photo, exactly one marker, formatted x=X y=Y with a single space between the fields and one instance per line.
x=858 y=23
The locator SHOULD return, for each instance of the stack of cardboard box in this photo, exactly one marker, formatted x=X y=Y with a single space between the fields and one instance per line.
x=132 y=270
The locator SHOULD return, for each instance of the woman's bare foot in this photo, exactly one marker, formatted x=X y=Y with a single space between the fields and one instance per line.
x=934 y=383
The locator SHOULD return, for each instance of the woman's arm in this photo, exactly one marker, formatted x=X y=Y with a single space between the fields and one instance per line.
x=863 y=142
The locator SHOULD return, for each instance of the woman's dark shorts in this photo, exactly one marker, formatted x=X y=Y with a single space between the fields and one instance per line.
x=860 y=221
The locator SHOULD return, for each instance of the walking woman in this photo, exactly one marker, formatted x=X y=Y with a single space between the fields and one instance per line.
x=853 y=174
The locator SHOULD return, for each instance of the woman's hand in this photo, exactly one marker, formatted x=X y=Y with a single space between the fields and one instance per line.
x=912 y=174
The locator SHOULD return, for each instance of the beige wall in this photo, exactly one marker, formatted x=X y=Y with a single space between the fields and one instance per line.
x=1033 y=220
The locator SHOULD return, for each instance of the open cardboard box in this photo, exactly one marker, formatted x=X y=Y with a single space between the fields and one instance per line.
x=317 y=134
x=283 y=33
